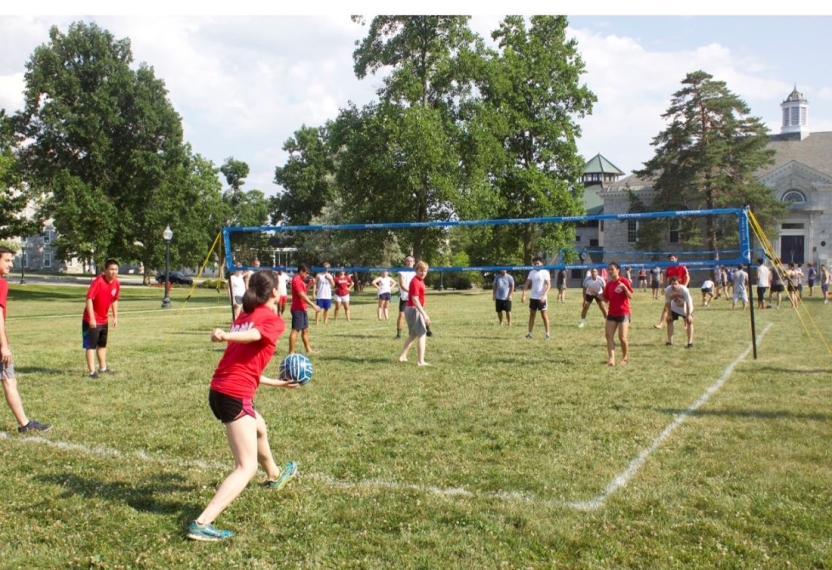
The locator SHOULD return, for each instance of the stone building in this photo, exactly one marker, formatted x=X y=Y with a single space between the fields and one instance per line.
x=800 y=176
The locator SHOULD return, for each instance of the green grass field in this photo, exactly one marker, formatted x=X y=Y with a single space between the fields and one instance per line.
x=505 y=453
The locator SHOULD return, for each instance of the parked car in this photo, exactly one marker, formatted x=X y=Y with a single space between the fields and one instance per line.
x=176 y=278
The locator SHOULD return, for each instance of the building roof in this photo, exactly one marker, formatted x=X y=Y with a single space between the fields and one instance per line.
x=600 y=165
x=814 y=151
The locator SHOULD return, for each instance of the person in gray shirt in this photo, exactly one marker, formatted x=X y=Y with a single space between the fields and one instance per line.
x=502 y=290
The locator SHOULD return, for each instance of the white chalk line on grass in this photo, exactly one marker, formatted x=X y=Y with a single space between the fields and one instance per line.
x=622 y=479
x=595 y=503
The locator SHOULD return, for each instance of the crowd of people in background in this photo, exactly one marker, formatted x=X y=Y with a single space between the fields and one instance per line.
x=764 y=284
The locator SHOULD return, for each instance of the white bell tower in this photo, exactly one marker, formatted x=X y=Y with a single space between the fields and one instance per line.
x=795 y=114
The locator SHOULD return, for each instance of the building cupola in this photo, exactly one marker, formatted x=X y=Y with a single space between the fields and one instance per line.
x=795 y=114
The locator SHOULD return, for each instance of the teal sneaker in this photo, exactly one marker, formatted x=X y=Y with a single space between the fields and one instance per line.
x=207 y=532
x=286 y=474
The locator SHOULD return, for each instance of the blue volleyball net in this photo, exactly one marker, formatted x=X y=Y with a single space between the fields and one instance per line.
x=284 y=247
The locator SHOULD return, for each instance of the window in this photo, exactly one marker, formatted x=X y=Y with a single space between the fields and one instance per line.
x=632 y=231
x=793 y=226
x=785 y=117
x=577 y=238
x=47 y=259
x=593 y=243
x=793 y=196
x=577 y=274
x=46 y=238
x=674 y=234
x=803 y=115
x=795 y=115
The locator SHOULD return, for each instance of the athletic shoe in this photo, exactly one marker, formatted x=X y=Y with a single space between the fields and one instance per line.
x=286 y=474
x=528 y=335
x=93 y=375
x=690 y=345
x=34 y=425
x=668 y=344
x=207 y=532
x=581 y=324
x=547 y=336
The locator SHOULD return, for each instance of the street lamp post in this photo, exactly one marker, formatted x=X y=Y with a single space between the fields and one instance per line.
x=168 y=235
x=22 y=261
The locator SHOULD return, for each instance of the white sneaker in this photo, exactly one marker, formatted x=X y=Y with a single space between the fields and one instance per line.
x=547 y=336
x=528 y=335
x=581 y=324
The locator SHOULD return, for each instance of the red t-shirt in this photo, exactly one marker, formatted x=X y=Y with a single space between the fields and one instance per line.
x=238 y=373
x=4 y=295
x=298 y=288
x=679 y=271
x=416 y=289
x=342 y=285
x=619 y=304
x=102 y=294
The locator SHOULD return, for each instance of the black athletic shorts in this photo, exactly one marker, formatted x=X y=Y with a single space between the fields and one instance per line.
x=228 y=408
x=94 y=337
x=624 y=319
x=503 y=305
x=537 y=304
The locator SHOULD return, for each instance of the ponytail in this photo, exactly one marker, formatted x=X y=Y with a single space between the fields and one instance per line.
x=260 y=286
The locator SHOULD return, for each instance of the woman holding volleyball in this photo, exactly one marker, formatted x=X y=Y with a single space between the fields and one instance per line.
x=251 y=343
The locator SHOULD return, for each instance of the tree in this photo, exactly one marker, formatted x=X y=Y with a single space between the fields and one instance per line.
x=14 y=197
x=707 y=156
x=306 y=178
x=532 y=94
x=246 y=209
x=105 y=144
x=431 y=59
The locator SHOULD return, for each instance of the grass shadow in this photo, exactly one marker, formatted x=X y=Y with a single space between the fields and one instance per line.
x=145 y=496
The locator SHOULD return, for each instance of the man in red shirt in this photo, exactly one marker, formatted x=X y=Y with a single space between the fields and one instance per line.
x=415 y=315
x=679 y=271
x=7 y=376
x=300 y=320
x=101 y=297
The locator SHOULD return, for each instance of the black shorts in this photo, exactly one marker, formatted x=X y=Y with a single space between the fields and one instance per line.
x=300 y=320
x=93 y=337
x=654 y=284
x=228 y=408
x=590 y=298
x=537 y=305
x=761 y=293
x=676 y=316
x=402 y=305
x=622 y=319
x=707 y=291
x=503 y=305
x=777 y=288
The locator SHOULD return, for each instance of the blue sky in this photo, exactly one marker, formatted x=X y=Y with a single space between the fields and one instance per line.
x=244 y=84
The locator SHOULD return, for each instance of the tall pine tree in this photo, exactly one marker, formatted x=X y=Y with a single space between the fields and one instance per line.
x=707 y=158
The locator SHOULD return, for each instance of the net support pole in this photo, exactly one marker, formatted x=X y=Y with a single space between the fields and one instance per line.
x=745 y=249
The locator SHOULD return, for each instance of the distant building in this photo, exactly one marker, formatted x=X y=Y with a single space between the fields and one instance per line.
x=801 y=176
x=38 y=254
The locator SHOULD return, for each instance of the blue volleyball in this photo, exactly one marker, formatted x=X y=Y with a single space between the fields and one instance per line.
x=296 y=368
